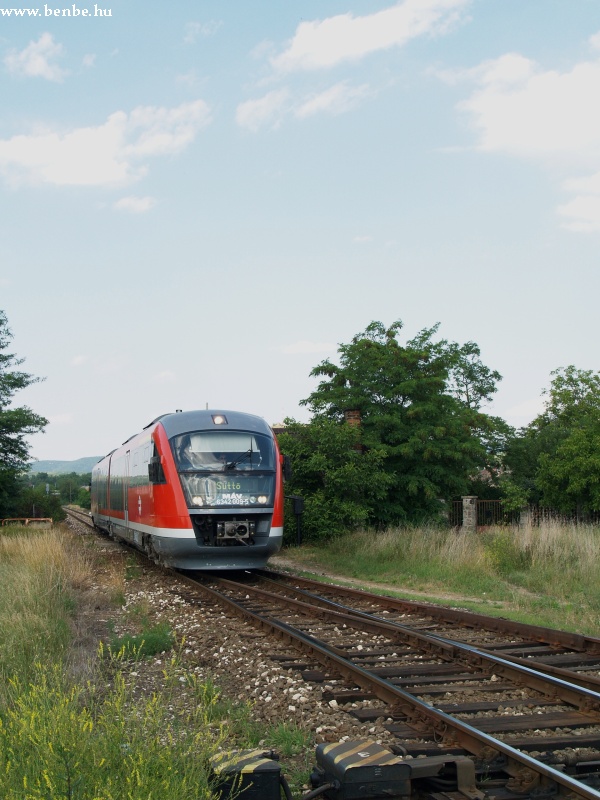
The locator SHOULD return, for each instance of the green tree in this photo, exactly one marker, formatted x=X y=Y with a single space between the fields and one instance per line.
x=16 y=423
x=420 y=410
x=36 y=502
x=557 y=457
x=69 y=484
x=339 y=482
x=84 y=498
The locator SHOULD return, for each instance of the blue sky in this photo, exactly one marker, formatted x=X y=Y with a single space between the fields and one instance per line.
x=201 y=200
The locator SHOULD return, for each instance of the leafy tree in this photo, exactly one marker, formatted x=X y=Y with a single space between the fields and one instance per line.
x=84 y=498
x=36 y=502
x=420 y=411
x=15 y=423
x=556 y=459
x=340 y=483
x=68 y=487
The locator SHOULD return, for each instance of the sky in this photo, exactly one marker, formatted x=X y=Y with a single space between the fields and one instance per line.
x=200 y=201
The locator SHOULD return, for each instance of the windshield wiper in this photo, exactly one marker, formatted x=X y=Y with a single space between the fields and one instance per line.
x=243 y=457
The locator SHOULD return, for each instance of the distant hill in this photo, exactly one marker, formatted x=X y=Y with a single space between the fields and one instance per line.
x=81 y=466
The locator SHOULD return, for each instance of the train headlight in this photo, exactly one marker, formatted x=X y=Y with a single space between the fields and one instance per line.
x=262 y=499
x=197 y=501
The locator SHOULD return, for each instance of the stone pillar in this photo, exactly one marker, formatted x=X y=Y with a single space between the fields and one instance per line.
x=469 y=522
x=526 y=517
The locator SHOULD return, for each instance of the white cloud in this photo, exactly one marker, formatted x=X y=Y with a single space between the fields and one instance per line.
x=504 y=71
x=344 y=37
x=200 y=30
x=274 y=106
x=135 y=205
x=336 y=100
x=549 y=116
x=107 y=154
x=36 y=60
x=307 y=347
x=78 y=361
x=362 y=239
x=89 y=60
x=582 y=214
x=595 y=41
x=269 y=109
x=189 y=79
x=590 y=183
x=525 y=111
x=326 y=43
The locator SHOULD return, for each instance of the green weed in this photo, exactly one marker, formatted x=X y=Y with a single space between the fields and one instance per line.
x=154 y=639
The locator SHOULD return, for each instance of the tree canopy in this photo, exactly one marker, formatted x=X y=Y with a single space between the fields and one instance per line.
x=419 y=405
x=555 y=460
x=16 y=423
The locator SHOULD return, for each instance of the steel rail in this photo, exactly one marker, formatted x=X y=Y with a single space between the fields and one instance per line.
x=591 y=682
x=419 y=714
x=576 y=641
x=80 y=516
x=586 y=700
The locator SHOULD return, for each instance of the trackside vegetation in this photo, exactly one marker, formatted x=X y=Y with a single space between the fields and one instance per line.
x=68 y=737
x=547 y=575
x=16 y=422
x=398 y=428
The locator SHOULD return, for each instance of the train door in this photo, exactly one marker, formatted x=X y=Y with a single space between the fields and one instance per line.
x=126 y=490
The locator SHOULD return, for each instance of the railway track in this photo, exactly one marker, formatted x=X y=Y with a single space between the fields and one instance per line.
x=80 y=516
x=530 y=733
x=449 y=684
x=571 y=656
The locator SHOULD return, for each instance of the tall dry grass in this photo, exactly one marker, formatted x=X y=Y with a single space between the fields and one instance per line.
x=548 y=574
x=38 y=570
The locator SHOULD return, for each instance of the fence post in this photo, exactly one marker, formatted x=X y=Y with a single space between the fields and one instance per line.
x=525 y=517
x=469 y=522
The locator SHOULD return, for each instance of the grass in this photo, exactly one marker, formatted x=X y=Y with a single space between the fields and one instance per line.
x=38 y=573
x=104 y=737
x=153 y=639
x=547 y=575
x=57 y=741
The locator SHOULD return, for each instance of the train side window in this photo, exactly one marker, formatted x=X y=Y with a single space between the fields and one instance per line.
x=155 y=471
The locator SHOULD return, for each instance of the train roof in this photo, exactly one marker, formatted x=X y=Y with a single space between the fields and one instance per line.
x=187 y=421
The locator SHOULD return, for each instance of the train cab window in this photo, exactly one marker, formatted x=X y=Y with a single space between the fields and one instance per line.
x=223 y=451
x=155 y=471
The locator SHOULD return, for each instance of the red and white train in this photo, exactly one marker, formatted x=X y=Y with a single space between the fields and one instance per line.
x=199 y=490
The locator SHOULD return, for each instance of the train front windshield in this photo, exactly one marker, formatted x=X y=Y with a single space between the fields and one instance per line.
x=221 y=469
